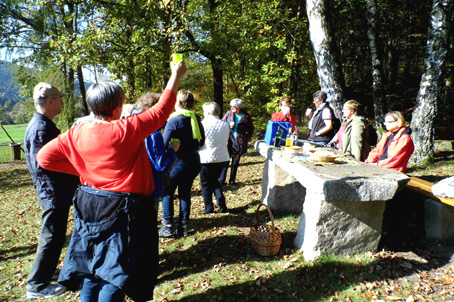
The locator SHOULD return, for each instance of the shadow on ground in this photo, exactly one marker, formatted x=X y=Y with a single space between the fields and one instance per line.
x=405 y=252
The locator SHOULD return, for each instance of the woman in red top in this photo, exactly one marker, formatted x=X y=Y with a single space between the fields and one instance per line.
x=114 y=246
x=395 y=147
x=284 y=115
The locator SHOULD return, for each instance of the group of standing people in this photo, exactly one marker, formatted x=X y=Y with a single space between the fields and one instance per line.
x=208 y=146
x=113 y=251
x=393 y=151
x=114 y=247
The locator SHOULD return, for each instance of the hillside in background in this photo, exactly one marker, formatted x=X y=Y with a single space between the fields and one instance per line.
x=8 y=87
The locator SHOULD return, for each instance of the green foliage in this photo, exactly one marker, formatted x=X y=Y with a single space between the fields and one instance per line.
x=261 y=47
x=5 y=118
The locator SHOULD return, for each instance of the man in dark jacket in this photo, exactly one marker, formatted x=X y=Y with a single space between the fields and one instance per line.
x=54 y=190
x=241 y=130
x=321 y=124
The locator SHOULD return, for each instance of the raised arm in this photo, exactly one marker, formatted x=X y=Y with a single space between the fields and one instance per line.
x=178 y=71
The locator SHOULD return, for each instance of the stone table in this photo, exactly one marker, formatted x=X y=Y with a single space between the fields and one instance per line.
x=341 y=205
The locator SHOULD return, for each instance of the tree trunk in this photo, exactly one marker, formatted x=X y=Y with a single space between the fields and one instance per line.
x=80 y=76
x=216 y=65
x=325 y=57
x=67 y=111
x=218 y=84
x=425 y=112
x=377 y=67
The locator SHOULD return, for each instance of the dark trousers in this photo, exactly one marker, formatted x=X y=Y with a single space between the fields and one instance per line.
x=98 y=290
x=50 y=244
x=209 y=175
x=233 y=170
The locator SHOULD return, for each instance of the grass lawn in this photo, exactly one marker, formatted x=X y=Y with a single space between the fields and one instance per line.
x=17 y=133
x=217 y=263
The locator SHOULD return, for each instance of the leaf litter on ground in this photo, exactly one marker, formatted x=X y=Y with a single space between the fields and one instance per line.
x=217 y=263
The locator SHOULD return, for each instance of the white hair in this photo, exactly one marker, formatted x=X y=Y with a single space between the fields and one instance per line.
x=237 y=103
x=212 y=108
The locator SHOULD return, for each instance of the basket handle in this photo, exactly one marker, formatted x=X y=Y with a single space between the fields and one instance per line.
x=269 y=213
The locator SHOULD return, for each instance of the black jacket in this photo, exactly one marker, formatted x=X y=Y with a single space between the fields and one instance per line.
x=244 y=131
x=54 y=189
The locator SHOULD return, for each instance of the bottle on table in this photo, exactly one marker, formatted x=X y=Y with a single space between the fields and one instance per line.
x=289 y=139
x=277 y=138
x=295 y=137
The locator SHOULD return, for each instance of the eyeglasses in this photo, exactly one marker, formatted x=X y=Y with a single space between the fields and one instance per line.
x=390 y=122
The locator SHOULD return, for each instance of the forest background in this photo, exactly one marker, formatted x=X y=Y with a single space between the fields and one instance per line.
x=387 y=54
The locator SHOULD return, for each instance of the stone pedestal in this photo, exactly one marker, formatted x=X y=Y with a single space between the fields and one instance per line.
x=280 y=190
x=344 y=227
x=439 y=220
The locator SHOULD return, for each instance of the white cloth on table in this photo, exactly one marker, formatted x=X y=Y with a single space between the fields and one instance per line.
x=444 y=188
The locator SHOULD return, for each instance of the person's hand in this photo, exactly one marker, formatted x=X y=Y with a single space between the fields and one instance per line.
x=179 y=69
x=175 y=145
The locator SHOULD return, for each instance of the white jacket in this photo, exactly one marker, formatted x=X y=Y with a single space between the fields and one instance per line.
x=217 y=134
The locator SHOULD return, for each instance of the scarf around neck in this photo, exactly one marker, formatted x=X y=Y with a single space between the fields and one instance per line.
x=194 y=124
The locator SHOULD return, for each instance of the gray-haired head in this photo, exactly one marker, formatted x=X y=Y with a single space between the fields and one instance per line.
x=104 y=97
x=211 y=108
x=237 y=103
x=320 y=95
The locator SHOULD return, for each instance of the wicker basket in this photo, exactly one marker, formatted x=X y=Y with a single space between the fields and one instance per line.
x=324 y=156
x=265 y=239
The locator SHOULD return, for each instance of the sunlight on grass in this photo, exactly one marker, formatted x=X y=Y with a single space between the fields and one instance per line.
x=216 y=262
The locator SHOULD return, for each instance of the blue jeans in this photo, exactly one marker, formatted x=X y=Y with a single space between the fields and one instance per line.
x=233 y=170
x=182 y=176
x=210 y=184
x=98 y=290
x=51 y=241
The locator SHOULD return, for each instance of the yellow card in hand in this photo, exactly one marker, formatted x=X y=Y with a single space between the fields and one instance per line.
x=176 y=57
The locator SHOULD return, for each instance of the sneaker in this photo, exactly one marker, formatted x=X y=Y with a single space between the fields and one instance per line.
x=183 y=230
x=166 y=231
x=210 y=211
x=52 y=290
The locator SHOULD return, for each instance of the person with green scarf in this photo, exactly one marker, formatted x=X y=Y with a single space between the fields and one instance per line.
x=187 y=127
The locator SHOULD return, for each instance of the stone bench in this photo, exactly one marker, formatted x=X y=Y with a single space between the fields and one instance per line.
x=341 y=206
x=439 y=211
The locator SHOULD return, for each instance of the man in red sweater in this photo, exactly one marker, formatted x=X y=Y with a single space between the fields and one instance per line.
x=114 y=247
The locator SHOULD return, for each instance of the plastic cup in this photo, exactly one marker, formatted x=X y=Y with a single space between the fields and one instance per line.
x=306 y=147
x=176 y=57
